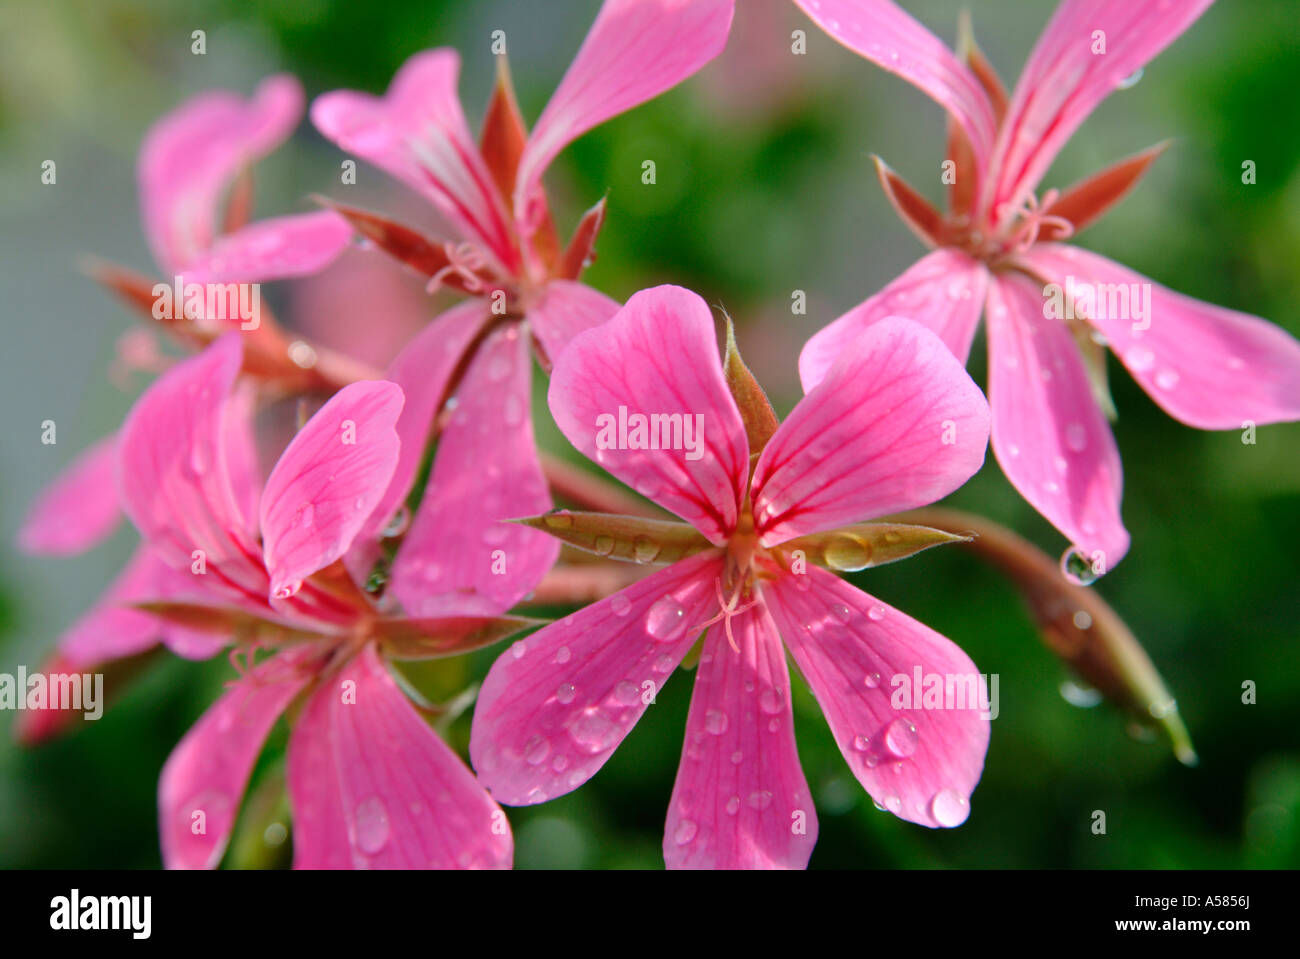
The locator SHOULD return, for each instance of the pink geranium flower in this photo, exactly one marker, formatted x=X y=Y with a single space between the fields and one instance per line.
x=897 y=423
x=505 y=253
x=369 y=781
x=997 y=253
x=194 y=195
x=191 y=159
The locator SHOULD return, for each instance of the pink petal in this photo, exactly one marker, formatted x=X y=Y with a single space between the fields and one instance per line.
x=204 y=779
x=741 y=800
x=555 y=706
x=191 y=155
x=372 y=786
x=328 y=481
x=417 y=133
x=274 y=249
x=459 y=557
x=565 y=310
x=861 y=659
x=1049 y=435
x=78 y=509
x=890 y=38
x=634 y=51
x=1064 y=80
x=896 y=423
x=658 y=355
x=424 y=370
x=180 y=455
x=944 y=291
x=1207 y=366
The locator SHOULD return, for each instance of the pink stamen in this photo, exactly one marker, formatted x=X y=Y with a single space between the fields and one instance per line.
x=462 y=260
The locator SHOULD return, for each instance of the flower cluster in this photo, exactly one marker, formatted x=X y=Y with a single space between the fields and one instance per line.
x=411 y=512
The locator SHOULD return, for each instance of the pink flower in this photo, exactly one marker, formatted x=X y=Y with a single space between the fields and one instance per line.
x=897 y=423
x=370 y=782
x=996 y=253
x=473 y=360
x=190 y=160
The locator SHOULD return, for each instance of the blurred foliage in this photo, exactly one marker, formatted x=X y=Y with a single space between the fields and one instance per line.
x=764 y=187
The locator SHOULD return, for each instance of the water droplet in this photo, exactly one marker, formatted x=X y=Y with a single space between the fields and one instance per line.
x=664 y=664
x=558 y=519
x=518 y=649
x=594 y=731
x=1013 y=450
x=876 y=614
x=645 y=549
x=1140 y=359
x=949 y=808
x=665 y=620
x=733 y=805
x=536 y=750
x=1167 y=379
x=306 y=515
x=715 y=722
x=685 y=832
x=861 y=743
x=1130 y=81
x=1077 y=568
x=620 y=605
x=1083 y=619
x=893 y=804
x=560 y=762
x=603 y=546
x=770 y=701
x=565 y=693
x=562 y=654
x=871 y=680
x=1076 y=694
x=847 y=554
x=900 y=738
x=627 y=693
x=737 y=758
x=398 y=523
x=372 y=825
x=1076 y=438
x=760 y=799
x=288 y=590
x=841 y=613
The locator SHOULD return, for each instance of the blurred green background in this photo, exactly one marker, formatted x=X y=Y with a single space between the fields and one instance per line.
x=764 y=187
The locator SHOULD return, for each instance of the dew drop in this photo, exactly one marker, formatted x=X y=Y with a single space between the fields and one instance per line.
x=536 y=750
x=900 y=738
x=715 y=722
x=593 y=731
x=841 y=613
x=627 y=693
x=949 y=808
x=1140 y=359
x=1166 y=379
x=620 y=605
x=565 y=693
x=603 y=546
x=1076 y=694
x=558 y=519
x=685 y=832
x=861 y=743
x=645 y=549
x=759 y=799
x=372 y=825
x=1077 y=568
x=876 y=614
x=288 y=590
x=562 y=654
x=665 y=620
x=1076 y=438
x=848 y=554
x=1130 y=81
x=871 y=680
x=518 y=649
x=733 y=805
x=770 y=701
